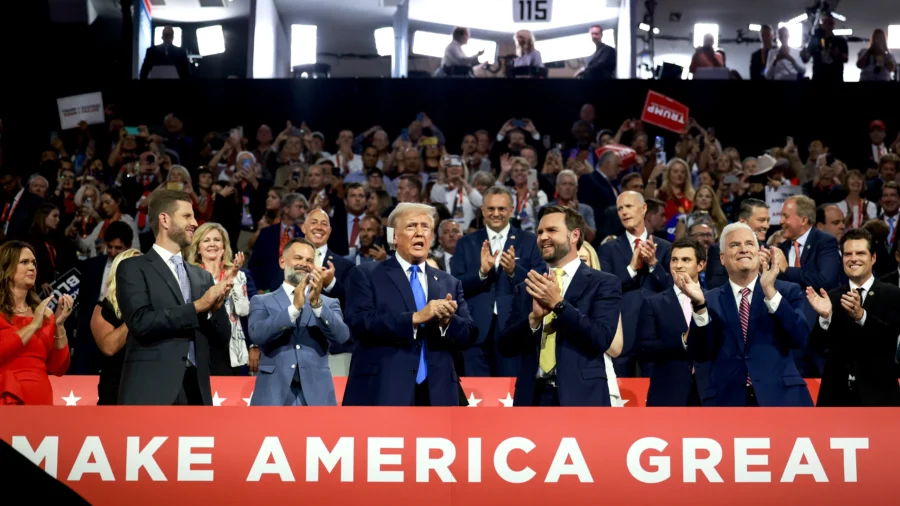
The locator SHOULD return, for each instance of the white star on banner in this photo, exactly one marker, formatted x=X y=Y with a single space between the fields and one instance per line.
x=217 y=401
x=621 y=403
x=507 y=402
x=71 y=400
x=473 y=402
x=247 y=399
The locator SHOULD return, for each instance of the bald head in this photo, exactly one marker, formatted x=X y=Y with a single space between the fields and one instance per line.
x=632 y=208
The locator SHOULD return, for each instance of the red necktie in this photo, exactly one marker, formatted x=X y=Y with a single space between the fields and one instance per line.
x=745 y=321
x=796 y=254
x=637 y=242
x=354 y=232
x=286 y=237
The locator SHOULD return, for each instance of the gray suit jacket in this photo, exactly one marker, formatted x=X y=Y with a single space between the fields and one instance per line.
x=286 y=347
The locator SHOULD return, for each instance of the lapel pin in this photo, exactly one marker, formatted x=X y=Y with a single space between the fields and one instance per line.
x=807 y=246
x=330 y=257
x=435 y=278
x=512 y=237
x=871 y=293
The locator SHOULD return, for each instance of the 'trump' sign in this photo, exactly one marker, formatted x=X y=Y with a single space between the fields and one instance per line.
x=665 y=112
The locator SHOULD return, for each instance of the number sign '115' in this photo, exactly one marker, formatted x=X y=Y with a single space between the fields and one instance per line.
x=528 y=11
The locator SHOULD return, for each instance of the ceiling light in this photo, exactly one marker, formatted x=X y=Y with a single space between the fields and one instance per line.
x=434 y=44
x=303 y=44
x=210 y=40
x=839 y=17
x=571 y=47
x=644 y=27
x=893 y=38
x=703 y=29
x=795 y=34
x=656 y=31
x=384 y=41
x=157 y=36
x=755 y=27
x=843 y=31
x=799 y=19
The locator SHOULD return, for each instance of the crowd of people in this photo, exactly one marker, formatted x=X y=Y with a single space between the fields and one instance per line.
x=407 y=263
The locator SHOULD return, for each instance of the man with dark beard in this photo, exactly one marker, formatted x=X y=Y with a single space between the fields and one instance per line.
x=173 y=311
x=563 y=322
x=293 y=326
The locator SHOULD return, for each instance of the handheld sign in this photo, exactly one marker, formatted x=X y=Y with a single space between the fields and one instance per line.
x=532 y=11
x=66 y=284
x=665 y=112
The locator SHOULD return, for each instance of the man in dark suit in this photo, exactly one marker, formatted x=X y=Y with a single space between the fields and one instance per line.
x=173 y=310
x=748 y=327
x=598 y=189
x=18 y=206
x=271 y=241
x=94 y=271
x=166 y=54
x=601 y=64
x=677 y=380
x=408 y=318
x=347 y=219
x=894 y=277
x=857 y=328
x=809 y=258
x=760 y=57
x=561 y=324
x=641 y=263
x=488 y=262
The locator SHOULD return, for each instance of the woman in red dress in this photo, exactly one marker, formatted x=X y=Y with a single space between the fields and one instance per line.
x=33 y=340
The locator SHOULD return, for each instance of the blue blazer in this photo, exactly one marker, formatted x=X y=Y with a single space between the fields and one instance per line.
x=767 y=354
x=286 y=347
x=595 y=191
x=659 y=341
x=264 y=261
x=715 y=274
x=584 y=331
x=820 y=266
x=481 y=295
x=383 y=369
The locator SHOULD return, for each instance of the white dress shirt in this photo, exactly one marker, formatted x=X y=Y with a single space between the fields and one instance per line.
x=423 y=280
x=321 y=253
x=497 y=241
x=104 y=281
x=293 y=312
x=771 y=304
x=792 y=255
x=826 y=322
x=631 y=238
x=166 y=255
x=784 y=69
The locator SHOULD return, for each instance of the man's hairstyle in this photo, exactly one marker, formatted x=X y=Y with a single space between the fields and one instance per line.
x=568 y=173
x=299 y=240
x=858 y=234
x=694 y=244
x=35 y=177
x=289 y=198
x=353 y=186
x=628 y=177
x=889 y=158
x=878 y=229
x=574 y=220
x=500 y=190
x=747 y=207
x=806 y=207
x=446 y=222
x=723 y=239
x=413 y=180
x=483 y=177
x=596 y=26
x=164 y=201
x=654 y=204
x=119 y=230
x=374 y=219
x=606 y=157
x=820 y=213
x=459 y=32
x=405 y=208
x=891 y=185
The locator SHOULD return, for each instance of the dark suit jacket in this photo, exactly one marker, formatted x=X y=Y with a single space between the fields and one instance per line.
x=379 y=312
x=22 y=216
x=339 y=242
x=716 y=275
x=584 y=331
x=866 y=352
x=160 y=55
x=161 y=326
x=595 y=191
x=767 y=353
x=342 y=268
x=659 y=341
x=892 y=279
x=264 y=261
x=602 y=64
x=820 y=266
x=88 y=360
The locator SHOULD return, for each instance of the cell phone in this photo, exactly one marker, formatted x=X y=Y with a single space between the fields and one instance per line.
x=246 y=163
x=404 y=134
x=53 y=137
x=420 y=117
x=660 y=150
x=379 y=241
x=132 y=130
x=518 y=123
x=175 y=186
x=731 y=180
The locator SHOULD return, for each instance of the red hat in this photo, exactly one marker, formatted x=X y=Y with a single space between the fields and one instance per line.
x=877 y=124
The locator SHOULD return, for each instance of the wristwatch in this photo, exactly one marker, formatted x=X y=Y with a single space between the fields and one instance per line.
x=698 y=307
x=558 y=308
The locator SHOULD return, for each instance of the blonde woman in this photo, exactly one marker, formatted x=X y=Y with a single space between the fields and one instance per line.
x=110 y=333
x=855 y=207
x=526 y=54
x=588 y=256
x=677 y=191
x=211 y=250
x=706 y=205
x=454 y=191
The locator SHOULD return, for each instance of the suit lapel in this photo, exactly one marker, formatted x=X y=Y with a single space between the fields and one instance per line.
x=512 y=239
x=810 y=243
x=163 y=270
x=395 y=273
x=625 y=250
x=730 y=312
x=675 y=308
x=579 y=283
x=758 y=310
x=434 y=286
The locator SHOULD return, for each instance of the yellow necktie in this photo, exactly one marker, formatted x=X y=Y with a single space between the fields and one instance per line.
x=548 y=343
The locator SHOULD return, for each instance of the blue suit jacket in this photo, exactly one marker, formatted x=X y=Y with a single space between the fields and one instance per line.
x=286 y=347
x=584 y=331
x=715 y=273
x=767 y=354
x=342 y=268
x=264 y=261
x=383 y=369
x=595 y=191
x=820 y=265
x=659 y=342
x=615 y=256
x=481 y=295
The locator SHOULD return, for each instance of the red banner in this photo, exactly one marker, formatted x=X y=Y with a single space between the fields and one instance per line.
x=451 y=456
x=626 y=154
x=665 y=112
x=238 y=390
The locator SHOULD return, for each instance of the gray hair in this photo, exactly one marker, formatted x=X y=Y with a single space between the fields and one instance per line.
x=35 y=177
x=567 y=172
x=806 y=207
x=483 y=177
x=405 y=208
x=289 y=199
x=723 y=239
x=446 y=222
x=606 y=157
x=500 y=189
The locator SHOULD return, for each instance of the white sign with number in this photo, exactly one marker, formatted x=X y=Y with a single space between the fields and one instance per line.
x=532 y=11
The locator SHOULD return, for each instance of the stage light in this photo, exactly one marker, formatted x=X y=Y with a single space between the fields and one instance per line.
x=795 y=31
x=434 y=44
x=210 y=40
x=893 y=37
x=644 y=27
x=843 y=32
x=839 y=17
x=384 y=41
x=303 y=44
x=799 y=19
x=755 y=27
x=703 y=29
x=157 y=36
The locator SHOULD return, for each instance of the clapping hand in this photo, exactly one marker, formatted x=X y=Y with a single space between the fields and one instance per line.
x=300 y=293
x=690 y=288
x=446 y=310
x=63 y=309
x=543 y=289
x=508 y=260
x=853 y=304
x=648 y=251
x=819 y=302
x=327 y=275
x=770 y=271
x=315 y=286
x=41 y=312
x=488 y=260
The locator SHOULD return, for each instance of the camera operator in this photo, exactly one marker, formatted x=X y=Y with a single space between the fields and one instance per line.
x=828 y=52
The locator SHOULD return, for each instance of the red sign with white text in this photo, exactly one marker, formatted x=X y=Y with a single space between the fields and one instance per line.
x=626 y=154
x=454 y=456
x=665 y=112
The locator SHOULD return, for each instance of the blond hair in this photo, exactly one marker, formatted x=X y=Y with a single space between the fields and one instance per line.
x=594 y=260
x=529 y=42
x=687 y=189
x=111 y=280
x=192 y=252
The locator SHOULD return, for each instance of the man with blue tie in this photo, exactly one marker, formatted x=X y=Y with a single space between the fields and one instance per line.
x=408 y=319
x=271 y=242
x=748 y=327
x=676 y=380
x=489 y=262
x=562 y=324
x=641 y=262
x=292 y=327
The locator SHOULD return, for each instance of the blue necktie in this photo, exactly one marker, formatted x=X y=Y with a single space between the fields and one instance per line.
x=419 y=296
x=185 y=284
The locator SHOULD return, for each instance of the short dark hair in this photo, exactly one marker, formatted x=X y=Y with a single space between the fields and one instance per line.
x=628 y=177
x=694 y=244
x=820 y=213
x=119 y=230
x=299 y=240
x=459 y=32
x=747 y=207
x=116 y=194
x=353 y=186
x=892 y=185
x=654 y=205
x=858 y=234
x=574 y=219
x=413 y=180
x=164 y=201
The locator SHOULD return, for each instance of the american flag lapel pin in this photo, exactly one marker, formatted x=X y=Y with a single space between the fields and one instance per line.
x=435 y=278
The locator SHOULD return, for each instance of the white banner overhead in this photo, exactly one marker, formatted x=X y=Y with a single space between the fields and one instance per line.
x=77 y=108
